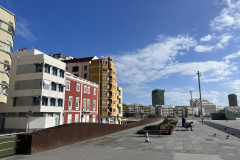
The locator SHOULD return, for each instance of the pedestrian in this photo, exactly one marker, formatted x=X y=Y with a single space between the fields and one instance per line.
x=183 y=121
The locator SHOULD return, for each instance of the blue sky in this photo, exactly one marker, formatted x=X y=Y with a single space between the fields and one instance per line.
x=156 y=44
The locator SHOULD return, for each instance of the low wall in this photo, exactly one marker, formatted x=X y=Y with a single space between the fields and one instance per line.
x=62 y=135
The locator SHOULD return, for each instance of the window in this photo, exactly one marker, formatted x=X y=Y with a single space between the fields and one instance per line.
x=113 y=72
x=88 y=104
x=104 y=93
x=61 y=73
x=114 y=87
x=76 y=75
x=60 y=102
x=54 y=71
x=10 y=28
x=76 y=118
x=104 y=85
x=68 y=85
x=54 y=86
x=47 y=68
x=36 y=101
x=52 y=102
x=39 y=67
x=6 y=65
x=93 y=118
x=85 y=68
x=104 y=101
x=69 y=120
x=94 y=91
x=70 y=102
x=105 y=77
x=44 y=101
x=94 y=104
x=77 y=103
x=85 y=89
x=8 y=46
x=104 y=110
x=85 y=75
x=114 y=79
x=60 y=88
x=78 y=87
x=88 y=90
x=114 y=110
x=104 y=70
x=84 y=104
x=14 y=101
x=75 y=68
x=114 y=102
x=87 y=118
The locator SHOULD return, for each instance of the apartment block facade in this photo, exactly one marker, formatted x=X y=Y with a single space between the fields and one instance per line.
x=103 y=72
x=119 y=105
x=7 y=28
x=81 y=100
x=79 y=66
x=37 y=87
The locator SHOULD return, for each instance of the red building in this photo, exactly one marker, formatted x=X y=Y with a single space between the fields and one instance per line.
x=81 y=100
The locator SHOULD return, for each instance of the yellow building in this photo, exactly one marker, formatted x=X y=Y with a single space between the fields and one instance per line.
x=103 y=72
x=7 y=27
x=119 y=105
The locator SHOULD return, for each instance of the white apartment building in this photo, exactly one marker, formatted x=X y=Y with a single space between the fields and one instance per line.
x=208 y=107
x=36 y=86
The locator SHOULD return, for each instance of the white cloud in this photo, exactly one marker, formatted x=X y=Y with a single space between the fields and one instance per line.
x=233 y=85
x=223 y=41
x=232 y=56
x=212 y=71
x=23 y=29
x=229 y=17
x=142 y=65
x=206 y=38
x=157 y=61
x=182 y=96
x=204 y=48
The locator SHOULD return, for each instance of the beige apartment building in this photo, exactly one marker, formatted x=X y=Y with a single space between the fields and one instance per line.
x=7 y=27
x=37 y=86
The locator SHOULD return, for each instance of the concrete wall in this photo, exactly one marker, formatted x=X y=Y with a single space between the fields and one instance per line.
x=68 y=134
x=35 y=122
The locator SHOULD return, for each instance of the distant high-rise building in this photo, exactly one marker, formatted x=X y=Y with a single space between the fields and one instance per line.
x=232 y=98
x=158 y=97
x=7 y=27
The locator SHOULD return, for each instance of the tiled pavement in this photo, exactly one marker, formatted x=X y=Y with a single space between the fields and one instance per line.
x=200 y=144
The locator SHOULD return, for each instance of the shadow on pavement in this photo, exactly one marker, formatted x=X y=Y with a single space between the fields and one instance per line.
x=228 y=130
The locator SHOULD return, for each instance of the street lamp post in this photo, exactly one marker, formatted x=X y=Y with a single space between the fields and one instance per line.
x=191 y=104
x=199 y=74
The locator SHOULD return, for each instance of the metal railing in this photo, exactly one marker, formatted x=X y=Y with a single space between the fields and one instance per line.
x=8 y=144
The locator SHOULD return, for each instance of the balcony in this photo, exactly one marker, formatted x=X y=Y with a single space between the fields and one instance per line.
x=119 y=105
x=110 y=74
x=86 y=110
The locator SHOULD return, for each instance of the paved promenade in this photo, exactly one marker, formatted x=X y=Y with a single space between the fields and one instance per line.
x=200 y=144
